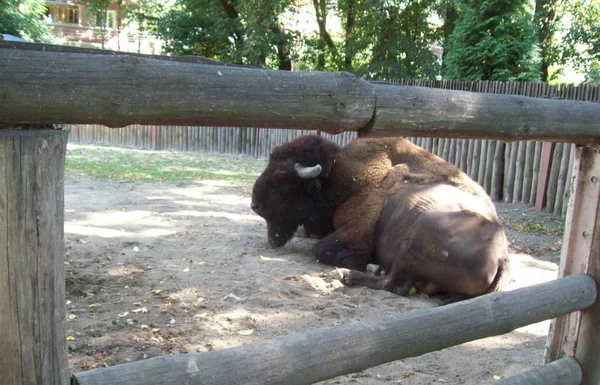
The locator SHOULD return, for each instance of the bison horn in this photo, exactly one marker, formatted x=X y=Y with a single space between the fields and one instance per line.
x=308 y=172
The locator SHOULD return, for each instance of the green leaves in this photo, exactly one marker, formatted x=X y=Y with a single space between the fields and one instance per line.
x=235 y=31
x=25 y=19
x=493 y=40
x=582 y=39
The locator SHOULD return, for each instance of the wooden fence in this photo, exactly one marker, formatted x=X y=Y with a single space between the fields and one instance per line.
x=108 y=89
x=256 y=142
x=507 y=171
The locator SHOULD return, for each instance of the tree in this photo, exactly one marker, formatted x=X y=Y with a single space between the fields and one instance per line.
x=379 y=39
x=25 y=19
x=234 y=31
x=448 y=11
x=402 y=41
x=582 y=40
x=98 y=8
x=547 y=19
x=493 y=40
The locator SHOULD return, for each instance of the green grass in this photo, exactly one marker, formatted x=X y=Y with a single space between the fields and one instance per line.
x=132 y=165
x=545 y=226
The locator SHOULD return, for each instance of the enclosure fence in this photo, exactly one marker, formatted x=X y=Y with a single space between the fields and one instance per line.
x=507 y=171
x=119 y=89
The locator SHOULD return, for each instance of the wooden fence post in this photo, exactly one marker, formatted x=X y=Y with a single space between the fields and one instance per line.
x=543 y=175
x=154 y=142
x=576 y=334
x=33 y=348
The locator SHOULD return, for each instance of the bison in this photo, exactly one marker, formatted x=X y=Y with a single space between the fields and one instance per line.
x=386 y=202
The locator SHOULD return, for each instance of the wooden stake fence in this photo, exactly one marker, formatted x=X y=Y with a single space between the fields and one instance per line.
x=511 y=176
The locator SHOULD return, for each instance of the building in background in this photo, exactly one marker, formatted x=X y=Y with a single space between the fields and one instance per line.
x=74 y=23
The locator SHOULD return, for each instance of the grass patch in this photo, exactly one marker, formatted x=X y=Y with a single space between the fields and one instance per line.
x=132 y=165
x=554 y=228
x=543 y=226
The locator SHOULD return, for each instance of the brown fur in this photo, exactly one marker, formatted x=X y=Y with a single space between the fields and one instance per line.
x=372 y=182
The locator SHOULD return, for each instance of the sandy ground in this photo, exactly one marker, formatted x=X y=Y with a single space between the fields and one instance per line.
x=158 y=269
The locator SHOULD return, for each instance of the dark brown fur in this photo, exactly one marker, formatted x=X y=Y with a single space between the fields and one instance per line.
x=389 y=202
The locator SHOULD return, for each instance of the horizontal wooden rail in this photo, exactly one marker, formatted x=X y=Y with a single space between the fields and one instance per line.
x=119 y=90
x=97 y=51
x=45 y=84
x=421 y=111
x=314 y=356
x=565 y=371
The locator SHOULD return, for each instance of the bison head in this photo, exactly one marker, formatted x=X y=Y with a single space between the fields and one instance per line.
x=294 y=189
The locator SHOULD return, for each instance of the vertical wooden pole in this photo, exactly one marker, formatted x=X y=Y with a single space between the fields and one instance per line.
x=543 y=175
x=154 y=143
x=33 y=348
x=577 y=334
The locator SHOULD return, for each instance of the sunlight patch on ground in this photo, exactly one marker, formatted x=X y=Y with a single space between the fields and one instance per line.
x=161 y=197
x=215 y=214
x=119 y=218
x=104 y=232
x=223 y=200
x=123 y=271
x=322 y=286
x=116 y=224
x=526 y=271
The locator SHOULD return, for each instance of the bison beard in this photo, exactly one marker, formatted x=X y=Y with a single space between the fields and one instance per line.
x=425 y=222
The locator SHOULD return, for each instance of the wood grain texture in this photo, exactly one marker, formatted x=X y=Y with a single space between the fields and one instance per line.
x=578 y=333
x=420 y=111
x=32 y=283
x=566 y=371
x=119 y=90
x=313 y=356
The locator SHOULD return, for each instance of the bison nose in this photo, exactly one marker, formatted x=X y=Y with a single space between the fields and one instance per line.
x=254 y=206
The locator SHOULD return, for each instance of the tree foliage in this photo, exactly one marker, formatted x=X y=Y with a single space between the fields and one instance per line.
x=235 y=31
x=582 y=40
x=493 y=40
x=25 y=19
x=548 y=21
x=379 y=39
x=402 y=41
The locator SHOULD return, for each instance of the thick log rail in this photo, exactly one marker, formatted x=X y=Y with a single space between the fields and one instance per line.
x=43 y=86
x=317 y=355
x=118 y=90
x=565 y=371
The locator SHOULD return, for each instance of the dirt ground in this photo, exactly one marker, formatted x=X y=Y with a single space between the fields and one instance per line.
x=159 y=269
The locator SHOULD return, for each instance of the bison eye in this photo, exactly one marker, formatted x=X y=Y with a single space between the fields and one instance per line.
x=254 y=206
